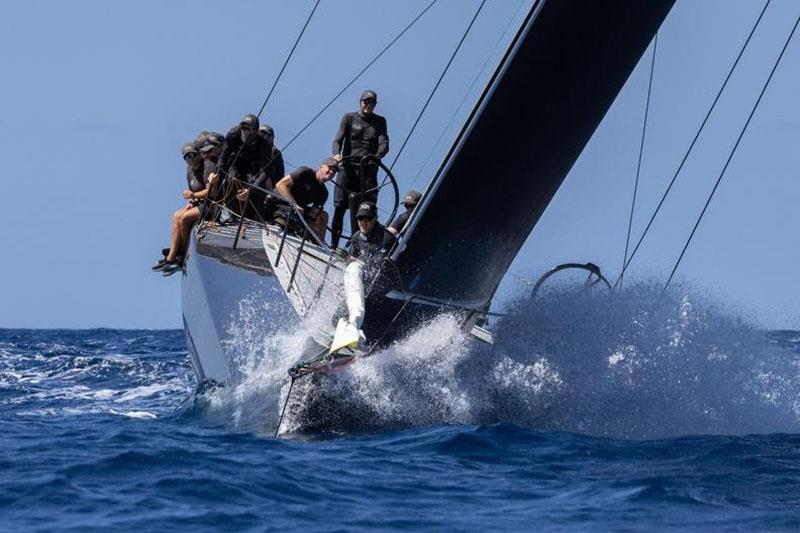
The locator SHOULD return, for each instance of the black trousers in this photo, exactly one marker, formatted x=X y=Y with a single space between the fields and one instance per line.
x=348 y=196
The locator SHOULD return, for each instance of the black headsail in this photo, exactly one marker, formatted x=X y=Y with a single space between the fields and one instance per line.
x=566 y=65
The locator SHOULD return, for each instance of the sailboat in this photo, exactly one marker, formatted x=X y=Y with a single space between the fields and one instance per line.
x=563 y=69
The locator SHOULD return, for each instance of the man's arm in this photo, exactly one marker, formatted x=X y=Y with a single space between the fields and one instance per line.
x=233 y=142
x=338 y=139
x=383 y=139
x=284 y=188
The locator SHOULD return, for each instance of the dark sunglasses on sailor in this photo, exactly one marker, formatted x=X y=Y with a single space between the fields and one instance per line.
x=189 y=156
x=370 y=101
x=365 y=218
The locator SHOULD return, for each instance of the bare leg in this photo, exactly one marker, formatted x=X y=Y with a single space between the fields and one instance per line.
x=174 y=241
x=189 y=219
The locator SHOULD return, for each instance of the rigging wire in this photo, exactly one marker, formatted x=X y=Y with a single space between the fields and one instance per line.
x=641 y=152
x=466 y=94
x=691 y=145
x=733 y=151
x=355 y=78
x=296 y=42
x=438 y=82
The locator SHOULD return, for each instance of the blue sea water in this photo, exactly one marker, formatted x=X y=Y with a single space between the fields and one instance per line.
x=649 y=416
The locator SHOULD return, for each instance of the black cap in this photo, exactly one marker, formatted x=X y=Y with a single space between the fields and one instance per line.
x=249 y=120
x=412 y=198
x=367 y=210
x=188 y=148
x=369 y=95
x=267 y=129
x=332 y=163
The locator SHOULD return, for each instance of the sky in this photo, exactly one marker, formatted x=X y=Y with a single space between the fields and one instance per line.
x=97 y=98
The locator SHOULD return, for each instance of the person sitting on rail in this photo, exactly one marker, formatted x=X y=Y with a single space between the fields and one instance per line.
x=197 y=173
x=242 y=166
x=360 y=134
x=305 y=190
x=410 y=201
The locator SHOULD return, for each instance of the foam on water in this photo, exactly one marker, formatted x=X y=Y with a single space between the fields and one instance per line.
x=637 y=365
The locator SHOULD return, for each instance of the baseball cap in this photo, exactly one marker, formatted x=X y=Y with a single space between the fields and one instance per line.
x=249 y=120
x=367 y=210
x=188 y=148
x=412 y=198
x=331 y=162
x=369 y=95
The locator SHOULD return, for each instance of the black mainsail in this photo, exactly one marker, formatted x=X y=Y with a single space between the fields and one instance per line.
x=566 y=65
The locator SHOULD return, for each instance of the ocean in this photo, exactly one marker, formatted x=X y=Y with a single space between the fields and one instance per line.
x=646 y=415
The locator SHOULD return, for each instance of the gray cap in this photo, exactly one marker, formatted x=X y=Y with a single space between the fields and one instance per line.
x=210 y=141
x=369 y=94
x=188 y=148
x=412 y=198
x=367 y=210
x=331 y=162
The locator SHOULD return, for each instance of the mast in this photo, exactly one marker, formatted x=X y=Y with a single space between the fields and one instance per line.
x=563 y=70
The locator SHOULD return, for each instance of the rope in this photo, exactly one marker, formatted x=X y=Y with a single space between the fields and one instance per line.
x=641 y=152
x=438 y=82
x=691 y=146
x=733 y=151
x=275 y=83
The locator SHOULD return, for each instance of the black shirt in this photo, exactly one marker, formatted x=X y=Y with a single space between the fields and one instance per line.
x=400 y=220
x=253 y=155
x=371 y=247
x=306 y=189
x=275 y=169
x=361 y=134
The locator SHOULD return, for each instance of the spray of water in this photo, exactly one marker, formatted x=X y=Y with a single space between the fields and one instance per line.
x=640 y=364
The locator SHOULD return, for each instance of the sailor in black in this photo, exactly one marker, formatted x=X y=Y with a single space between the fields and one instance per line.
x=275 y=168
x=305 y=190
x=243 y=163
x=372 y=241
x=410 y=202
x=359 y=134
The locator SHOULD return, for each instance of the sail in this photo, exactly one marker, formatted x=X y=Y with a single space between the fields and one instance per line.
x=566 y=65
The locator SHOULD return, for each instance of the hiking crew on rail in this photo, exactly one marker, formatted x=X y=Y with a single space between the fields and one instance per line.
x=242 y=173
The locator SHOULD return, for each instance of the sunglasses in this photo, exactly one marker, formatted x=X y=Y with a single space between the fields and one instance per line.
x=365 y=218
x=370 y=101
x=190 y=155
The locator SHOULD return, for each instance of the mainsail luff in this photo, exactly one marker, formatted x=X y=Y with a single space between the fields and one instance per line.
x=564 y=69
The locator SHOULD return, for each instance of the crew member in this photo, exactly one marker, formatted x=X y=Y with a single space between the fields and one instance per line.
x=372 y=241
x=183 y=219
x=243 y=163
x=361 y=133
x=275 y=167
x=305 y=190
x=410 y=201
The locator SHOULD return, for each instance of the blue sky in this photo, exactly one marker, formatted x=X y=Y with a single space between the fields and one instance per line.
x=98 y=97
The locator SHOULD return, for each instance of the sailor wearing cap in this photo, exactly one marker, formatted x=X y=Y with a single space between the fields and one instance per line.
x=305 y=190
x=372 y=241
x=184 y=218
x=410 y=201
x=242 y=163
x=361 y=133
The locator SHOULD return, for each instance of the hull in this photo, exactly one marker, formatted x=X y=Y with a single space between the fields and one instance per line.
x=217 y=284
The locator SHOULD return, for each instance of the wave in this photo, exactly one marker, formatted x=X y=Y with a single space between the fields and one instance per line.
x=641 y=364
